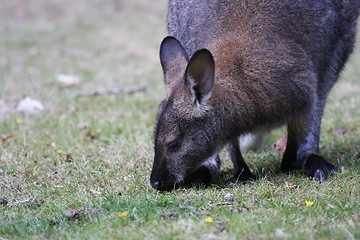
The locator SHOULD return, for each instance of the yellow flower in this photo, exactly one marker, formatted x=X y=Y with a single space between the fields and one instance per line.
x=123 y=214
x=59 y=151
x=208 y=219
x=18 y=121
x=308 y=203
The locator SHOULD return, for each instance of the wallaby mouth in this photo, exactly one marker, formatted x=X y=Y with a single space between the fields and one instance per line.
x=163 y=184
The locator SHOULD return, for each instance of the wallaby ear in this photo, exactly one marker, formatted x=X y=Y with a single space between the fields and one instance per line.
x=173 y=59
x=200 y=75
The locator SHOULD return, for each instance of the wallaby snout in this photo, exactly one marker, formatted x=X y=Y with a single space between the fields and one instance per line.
x=161 y=181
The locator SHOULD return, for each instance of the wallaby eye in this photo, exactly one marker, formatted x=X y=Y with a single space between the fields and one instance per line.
x=173 y=145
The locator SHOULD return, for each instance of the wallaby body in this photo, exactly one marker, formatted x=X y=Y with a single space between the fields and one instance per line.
x=236 y=67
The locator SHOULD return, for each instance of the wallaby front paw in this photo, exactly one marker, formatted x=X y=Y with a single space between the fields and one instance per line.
x=244 y=176
x=201 y=177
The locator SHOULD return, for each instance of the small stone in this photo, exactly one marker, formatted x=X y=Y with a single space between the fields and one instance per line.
x=229 y=197
x=73 y=214
x=88 y=210
x=30 y=105
x=68 y=80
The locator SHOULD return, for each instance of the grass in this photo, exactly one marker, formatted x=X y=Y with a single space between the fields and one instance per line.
x=93 y=155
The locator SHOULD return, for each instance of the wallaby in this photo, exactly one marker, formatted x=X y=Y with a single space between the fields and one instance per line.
x=233 y=67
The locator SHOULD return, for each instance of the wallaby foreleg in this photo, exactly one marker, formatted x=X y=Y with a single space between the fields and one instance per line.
x=202 y=175
x=241 y=170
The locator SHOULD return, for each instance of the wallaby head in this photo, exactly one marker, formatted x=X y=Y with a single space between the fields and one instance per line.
x=184 y=122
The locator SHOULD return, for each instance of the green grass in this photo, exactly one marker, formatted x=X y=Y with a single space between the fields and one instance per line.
x=103 y=170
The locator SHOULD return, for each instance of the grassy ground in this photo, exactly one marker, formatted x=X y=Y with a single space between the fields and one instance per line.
x=80 y=169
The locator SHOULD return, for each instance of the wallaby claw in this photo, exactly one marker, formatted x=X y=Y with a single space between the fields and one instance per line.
x=320 y=175
x=318 y=167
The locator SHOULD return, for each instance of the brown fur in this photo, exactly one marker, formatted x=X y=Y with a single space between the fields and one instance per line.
x=254 y=65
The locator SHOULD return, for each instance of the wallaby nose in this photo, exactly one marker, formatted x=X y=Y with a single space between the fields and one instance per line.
x=155 y=184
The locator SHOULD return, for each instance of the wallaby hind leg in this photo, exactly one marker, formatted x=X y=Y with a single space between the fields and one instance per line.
x=313 y=164
x=303 y=140
x=302 y=150
x=241 y=170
